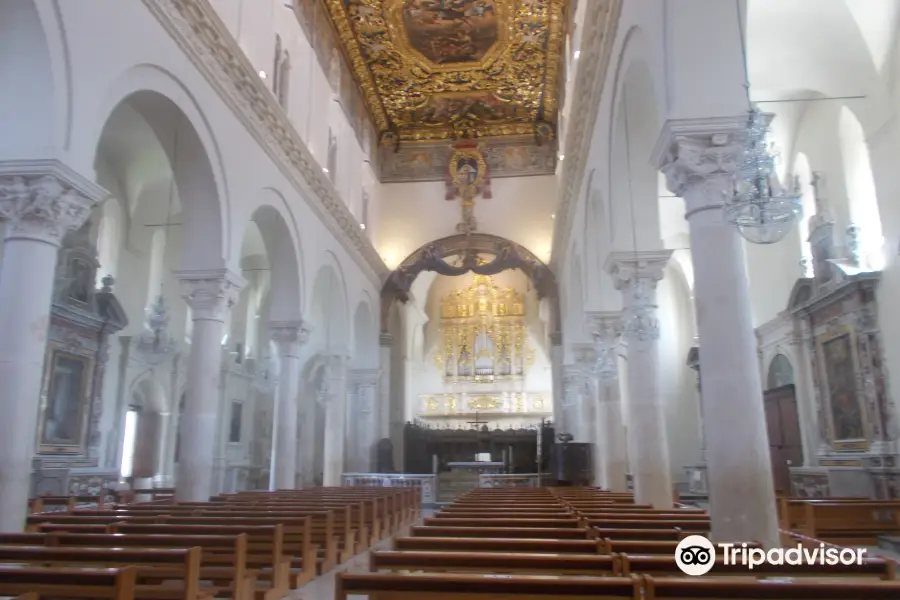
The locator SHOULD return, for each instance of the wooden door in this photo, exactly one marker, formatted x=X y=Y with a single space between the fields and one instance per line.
x=783 y=423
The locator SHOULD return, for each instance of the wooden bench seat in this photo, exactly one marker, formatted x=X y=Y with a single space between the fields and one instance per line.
x=93 y=584
x=666 y=566
x=474 y=544
x=850 y=524
x=425 y=586
x=223 y=557
x=495 y=515
x=557 y=523
x=161 y=574
x=689 y=526
x=598 y=565
x=726 y=588
x=665 y=548
x=501 y=532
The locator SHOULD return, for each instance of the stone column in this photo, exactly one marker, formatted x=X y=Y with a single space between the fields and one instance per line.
x=210 y=294
x=384 y=390
x=335 y=400
x=607 y=328
x=556 y=374
x=289 y=338
x=40 y=202
x=698 y=158
x=636 y=274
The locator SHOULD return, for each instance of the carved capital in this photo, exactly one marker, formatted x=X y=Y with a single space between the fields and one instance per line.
x=44 y=200
x=289 y=336
x=701 y=155
x=645 y=266
x=605 y=326
x=210 y=294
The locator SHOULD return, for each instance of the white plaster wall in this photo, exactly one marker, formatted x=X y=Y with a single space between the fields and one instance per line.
x=520 y=210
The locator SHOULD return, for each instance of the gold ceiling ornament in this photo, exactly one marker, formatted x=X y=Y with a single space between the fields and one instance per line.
x=468 y=177
x=445 y=69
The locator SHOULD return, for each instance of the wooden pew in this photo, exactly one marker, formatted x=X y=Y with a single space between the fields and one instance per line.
x=665 y=566
x=725 y=588
x=661 y=547
x=223 y=557
x=267 y=548
x=598 y=565
x=560 y=522
x=501 y=532
x=854 y=524
x=115 y=584
x=473 y=544
x=153 y=567
x=689 y=526
x=426 y=586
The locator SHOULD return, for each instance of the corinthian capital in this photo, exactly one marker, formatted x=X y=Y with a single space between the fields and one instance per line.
x=43 y=200
x=605 y=326
x=289 y=336
x=701 y=152
x=210 y=294
x=644 y=266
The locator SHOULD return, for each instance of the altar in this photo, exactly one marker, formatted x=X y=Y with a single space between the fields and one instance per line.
x=477 y=467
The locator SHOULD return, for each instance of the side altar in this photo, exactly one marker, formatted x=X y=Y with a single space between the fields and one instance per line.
x=829 y=343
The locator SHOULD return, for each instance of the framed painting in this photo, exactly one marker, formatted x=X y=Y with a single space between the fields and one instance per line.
x=845 y=407
x=66 y=396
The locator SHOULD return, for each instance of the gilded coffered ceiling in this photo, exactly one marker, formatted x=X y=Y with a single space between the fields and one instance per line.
x=435 y=71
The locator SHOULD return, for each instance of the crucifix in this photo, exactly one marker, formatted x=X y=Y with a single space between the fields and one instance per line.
x=468 y=177
x=477 y=421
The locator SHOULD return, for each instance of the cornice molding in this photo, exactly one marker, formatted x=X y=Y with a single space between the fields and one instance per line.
x=601 y=22
x=204 y=38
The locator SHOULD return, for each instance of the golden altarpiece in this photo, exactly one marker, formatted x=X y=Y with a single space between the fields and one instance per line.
x=483 y=355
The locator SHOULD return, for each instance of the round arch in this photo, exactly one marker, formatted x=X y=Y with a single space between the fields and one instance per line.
x=285 y=257
x=329 y=314
x=166 y=104
x=365 y=343
x=430 y=257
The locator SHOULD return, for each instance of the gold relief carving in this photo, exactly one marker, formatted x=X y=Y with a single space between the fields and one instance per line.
x=435 y=70
x=538 y=403
x=483 y=403
x=431 y=404
x=839 y=463
x=520 y=403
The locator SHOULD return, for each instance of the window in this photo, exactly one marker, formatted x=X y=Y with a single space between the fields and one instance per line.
x=364 y=222
x=284 y=80
x=131 y=418
x=332 y=155
x=781 y=372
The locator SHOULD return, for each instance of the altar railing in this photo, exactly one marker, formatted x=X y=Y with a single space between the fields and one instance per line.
x=503 y=480
x=426 y=483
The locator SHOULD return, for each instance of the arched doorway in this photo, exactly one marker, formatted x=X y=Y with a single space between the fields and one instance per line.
x=782 y=422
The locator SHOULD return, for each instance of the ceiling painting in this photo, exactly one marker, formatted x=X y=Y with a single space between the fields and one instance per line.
x=436 y=71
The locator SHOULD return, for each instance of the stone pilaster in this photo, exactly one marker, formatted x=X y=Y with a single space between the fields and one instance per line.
x=361 y=422
x=210 y=295
x=636 y=275
x=289 y=338
x=334 y=398
x=40 y=201
x=699 y=158
x=611 y=447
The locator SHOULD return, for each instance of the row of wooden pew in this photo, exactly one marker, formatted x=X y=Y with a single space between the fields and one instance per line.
x=519 y=544
x=246 y=546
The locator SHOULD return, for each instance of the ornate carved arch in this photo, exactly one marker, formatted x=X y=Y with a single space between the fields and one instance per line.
x=430 y=257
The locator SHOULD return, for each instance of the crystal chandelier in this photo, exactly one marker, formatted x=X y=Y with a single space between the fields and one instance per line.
x=155 y=342
x=761 y=209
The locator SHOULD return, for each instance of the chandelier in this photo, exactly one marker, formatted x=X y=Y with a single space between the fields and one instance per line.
x=154 y=342
x=761 y=209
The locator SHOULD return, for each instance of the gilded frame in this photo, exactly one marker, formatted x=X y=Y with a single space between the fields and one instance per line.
x=826 y=338
x=55 y=352
x=462 y=153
